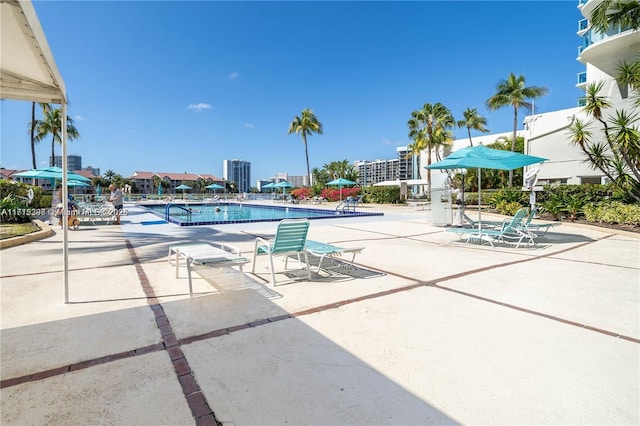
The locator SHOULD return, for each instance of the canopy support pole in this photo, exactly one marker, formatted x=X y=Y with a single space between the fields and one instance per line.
x=65 y=204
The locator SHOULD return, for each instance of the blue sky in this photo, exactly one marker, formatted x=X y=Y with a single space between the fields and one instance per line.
x=181 y=86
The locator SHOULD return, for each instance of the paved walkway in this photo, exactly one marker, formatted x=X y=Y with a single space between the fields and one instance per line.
x=445 y=333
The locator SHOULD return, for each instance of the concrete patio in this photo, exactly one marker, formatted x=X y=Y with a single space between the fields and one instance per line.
x=443 y=333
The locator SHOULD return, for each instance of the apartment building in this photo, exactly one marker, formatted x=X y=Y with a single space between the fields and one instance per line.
x=375 y=171
x=239 y=172
x=546 y=135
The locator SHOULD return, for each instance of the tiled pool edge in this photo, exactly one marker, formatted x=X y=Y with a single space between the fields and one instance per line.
x=326 y=214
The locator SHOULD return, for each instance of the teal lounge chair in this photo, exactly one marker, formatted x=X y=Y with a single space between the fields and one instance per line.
x=511 y=231
x=322 y=250
x=290 y=239
x=538 y=228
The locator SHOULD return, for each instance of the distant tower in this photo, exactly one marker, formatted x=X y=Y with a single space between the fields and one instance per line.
x=74 y=161
x=238 y=171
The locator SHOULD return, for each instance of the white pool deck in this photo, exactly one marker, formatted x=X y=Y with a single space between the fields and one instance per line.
x=451 y=333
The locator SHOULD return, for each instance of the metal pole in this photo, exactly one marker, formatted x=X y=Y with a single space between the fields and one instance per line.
x=65 y=204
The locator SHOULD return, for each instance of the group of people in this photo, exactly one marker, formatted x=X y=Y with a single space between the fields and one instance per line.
x=116 y=198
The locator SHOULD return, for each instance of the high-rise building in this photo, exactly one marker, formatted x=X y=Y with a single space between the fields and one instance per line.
x=408 y=164
x=371 y=172
x=74 y=161
x=238 y=171
x=546 y=135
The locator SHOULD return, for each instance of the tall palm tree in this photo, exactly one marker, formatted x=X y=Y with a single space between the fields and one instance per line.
x=306 y=124
x=51 y=124
x=624 y=13
x=513 y=91
x=473 y=121
x=429 y=129
x=32 y=128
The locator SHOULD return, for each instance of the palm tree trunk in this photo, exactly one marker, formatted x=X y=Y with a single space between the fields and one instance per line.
x=33 y=131
x=53 y=153
x=429 y=170
x=469 y=132
x=513 y=141
x=306 y=153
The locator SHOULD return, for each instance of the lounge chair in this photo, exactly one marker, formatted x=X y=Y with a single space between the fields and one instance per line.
x=290 y=239
x=322 y=250
x=206 y=255
x=537 y=228
x=510 y=231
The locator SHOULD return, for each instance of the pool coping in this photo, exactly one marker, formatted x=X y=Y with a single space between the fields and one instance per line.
x=326 y=214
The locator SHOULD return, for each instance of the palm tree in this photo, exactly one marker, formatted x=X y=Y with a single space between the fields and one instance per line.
x=307 y=123
x=617 y=155
x=629 y=75
x=51 y=124
x=32 y=128
x=623 y=13
x=109 y=175
x=473 y=120
x=429 y=129
x=513 y=91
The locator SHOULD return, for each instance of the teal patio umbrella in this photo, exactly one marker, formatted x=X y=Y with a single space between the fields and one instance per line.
x=76 y=183
x=214 y=186
x=340 y=182
x=283 y=185
x=480 y=157
x=184 y=188
x=51 y=173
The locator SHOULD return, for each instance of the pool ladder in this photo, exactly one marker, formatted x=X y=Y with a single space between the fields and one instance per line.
x=168 y=207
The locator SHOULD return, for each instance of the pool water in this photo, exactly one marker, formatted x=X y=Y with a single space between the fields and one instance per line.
x=206 y=214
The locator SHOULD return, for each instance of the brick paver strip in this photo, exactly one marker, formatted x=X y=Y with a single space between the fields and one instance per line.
x=196 y=400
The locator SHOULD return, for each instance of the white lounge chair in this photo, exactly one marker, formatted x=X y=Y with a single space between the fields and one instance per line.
x=207 y=255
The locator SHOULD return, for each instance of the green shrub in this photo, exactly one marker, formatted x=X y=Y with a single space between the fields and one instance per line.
x=573 y=205
x=553 y=205
x=382 y=194
x=508 y=195
x=508 y=208
x=12 y=210
x=613 y=212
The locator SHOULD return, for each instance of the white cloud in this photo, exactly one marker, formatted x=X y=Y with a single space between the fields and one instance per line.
x=78 y=118
x=249 y=125
x=199 y=107
x=234 y=75
x=393 y=143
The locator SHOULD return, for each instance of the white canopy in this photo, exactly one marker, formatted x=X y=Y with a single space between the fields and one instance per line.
x=27 y=69
x=409 y=182
x=29 y=73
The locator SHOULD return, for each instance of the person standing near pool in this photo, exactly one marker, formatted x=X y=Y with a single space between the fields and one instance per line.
x=116 y=199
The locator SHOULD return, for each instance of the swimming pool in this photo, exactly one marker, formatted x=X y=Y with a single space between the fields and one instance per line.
x=206 y=214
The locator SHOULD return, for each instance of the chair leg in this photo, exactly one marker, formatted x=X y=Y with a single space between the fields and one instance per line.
x=306 y=259
x=273 y=273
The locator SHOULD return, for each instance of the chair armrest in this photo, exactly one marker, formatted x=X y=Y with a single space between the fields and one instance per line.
x=261 y=242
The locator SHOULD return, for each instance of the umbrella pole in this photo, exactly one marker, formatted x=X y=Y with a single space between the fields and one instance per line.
x=479 y=200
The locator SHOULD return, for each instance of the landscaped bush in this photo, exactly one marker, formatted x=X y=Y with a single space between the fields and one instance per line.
x=508 y=208
x=613 y=212
x=12 y=210
x=14 y=207
x=332 y=194
x=20 y=190
x=382 y=194
x=507 y=196
x=300 y=193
